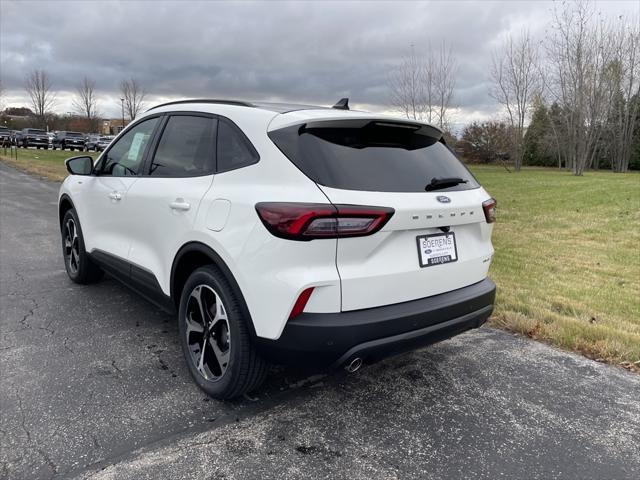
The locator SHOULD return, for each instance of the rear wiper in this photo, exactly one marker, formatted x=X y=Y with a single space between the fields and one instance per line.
x=438 y=183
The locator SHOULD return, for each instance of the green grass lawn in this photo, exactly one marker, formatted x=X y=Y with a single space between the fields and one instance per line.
x=44 y=163
x=567 y=261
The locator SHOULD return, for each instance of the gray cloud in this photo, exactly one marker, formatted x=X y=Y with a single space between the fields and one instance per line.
x=314 y=52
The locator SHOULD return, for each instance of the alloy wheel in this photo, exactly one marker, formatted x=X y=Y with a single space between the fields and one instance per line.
x=207 y=332
x=71 y=246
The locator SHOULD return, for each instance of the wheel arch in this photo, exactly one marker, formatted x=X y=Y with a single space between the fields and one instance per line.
x=64 y=205
x=194 y=255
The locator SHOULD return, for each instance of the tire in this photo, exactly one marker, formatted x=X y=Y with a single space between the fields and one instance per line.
x=236 y=368
x=77 y=262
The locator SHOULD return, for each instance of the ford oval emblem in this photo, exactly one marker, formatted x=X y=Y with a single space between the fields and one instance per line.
x=443 y=199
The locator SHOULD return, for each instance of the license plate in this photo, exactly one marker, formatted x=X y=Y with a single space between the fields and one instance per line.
x=437 y=249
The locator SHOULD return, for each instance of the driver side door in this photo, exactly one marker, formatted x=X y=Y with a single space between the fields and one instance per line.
x=107 y=221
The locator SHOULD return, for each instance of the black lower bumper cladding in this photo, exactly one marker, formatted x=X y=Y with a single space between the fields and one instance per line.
x=334 y=339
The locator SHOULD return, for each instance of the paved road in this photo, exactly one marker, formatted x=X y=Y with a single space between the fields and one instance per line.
x=93 y=385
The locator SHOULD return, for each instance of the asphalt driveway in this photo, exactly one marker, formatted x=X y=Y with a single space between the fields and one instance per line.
x=93 y=385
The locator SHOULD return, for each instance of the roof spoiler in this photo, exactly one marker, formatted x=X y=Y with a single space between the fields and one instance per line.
x=343 y=104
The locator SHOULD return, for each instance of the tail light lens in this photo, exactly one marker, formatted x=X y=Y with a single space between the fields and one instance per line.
x=489 y=207
x=308 y=221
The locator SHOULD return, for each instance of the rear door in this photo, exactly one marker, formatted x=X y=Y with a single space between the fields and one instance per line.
x=164 y=202
x=437 y=240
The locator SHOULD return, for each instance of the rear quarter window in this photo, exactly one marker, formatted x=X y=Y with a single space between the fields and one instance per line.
x=371 y=155
x=234 y=150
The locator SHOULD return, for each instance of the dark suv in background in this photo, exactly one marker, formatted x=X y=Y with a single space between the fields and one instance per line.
x=5 y=137
x=70 y=140
x=32 y=137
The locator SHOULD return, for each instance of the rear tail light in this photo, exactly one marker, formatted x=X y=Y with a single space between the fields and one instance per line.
x=308 y=221
x=489 y=207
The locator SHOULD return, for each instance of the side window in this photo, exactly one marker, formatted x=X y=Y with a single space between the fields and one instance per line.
x=124 y=158
x=186 y=148
x=234 y=150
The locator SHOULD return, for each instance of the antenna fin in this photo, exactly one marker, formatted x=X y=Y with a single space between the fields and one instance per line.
x=343 y=104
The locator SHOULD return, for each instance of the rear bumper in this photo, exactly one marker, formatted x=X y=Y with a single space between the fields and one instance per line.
x=334 y=339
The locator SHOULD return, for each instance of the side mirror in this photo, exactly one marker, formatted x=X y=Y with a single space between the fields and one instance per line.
x=79 y=165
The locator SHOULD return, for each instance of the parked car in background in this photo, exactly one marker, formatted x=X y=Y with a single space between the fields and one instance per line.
x=103 y=142
x=5 y=136
x=97 y=142
x=32 y=137
x=90 y=142
x=284 y=233
x=71 y=140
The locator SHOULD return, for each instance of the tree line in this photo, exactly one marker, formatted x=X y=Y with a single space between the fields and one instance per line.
x=571 y=99
x=42 y=99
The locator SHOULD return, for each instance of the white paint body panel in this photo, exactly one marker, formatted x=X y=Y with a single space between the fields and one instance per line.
x=158 y=231
x=383 y=268
x=105 y=224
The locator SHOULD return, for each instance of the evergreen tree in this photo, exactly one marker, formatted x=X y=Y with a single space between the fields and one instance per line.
x=538 y=141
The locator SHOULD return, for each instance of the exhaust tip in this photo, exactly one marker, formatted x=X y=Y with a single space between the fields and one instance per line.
x=354 y=365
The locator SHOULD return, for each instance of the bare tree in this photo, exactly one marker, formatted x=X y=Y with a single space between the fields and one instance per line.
x=580 y=52
x=407 y=85
x=85 y=102
x=422 y=86
x=38 y=87
x=442 y=77
x=516 y=79
x=625 y=83
x=134 y=96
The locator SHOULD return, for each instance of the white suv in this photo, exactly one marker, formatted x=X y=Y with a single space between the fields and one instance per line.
x=284 y=233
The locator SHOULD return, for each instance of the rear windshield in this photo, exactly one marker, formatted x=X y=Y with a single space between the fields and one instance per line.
x=74 y=134
x=35 y=130
x=371 y=155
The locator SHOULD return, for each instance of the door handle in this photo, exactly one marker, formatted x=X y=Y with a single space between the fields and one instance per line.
x=179 y=204
x=115 y=196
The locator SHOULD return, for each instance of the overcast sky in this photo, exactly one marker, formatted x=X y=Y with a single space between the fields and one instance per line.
x=311 y=52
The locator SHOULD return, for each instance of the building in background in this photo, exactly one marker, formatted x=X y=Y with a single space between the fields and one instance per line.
x=112 y=126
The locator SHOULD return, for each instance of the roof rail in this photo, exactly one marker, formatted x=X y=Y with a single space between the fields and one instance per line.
x=205 y=100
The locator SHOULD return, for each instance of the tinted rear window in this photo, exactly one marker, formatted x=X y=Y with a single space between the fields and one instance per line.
x=371 y=155
x=35 y=130
x=74 y=134
x=186 y=148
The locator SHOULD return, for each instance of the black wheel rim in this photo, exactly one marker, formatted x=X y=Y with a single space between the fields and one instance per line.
x=207 y=333
x=71 y=246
